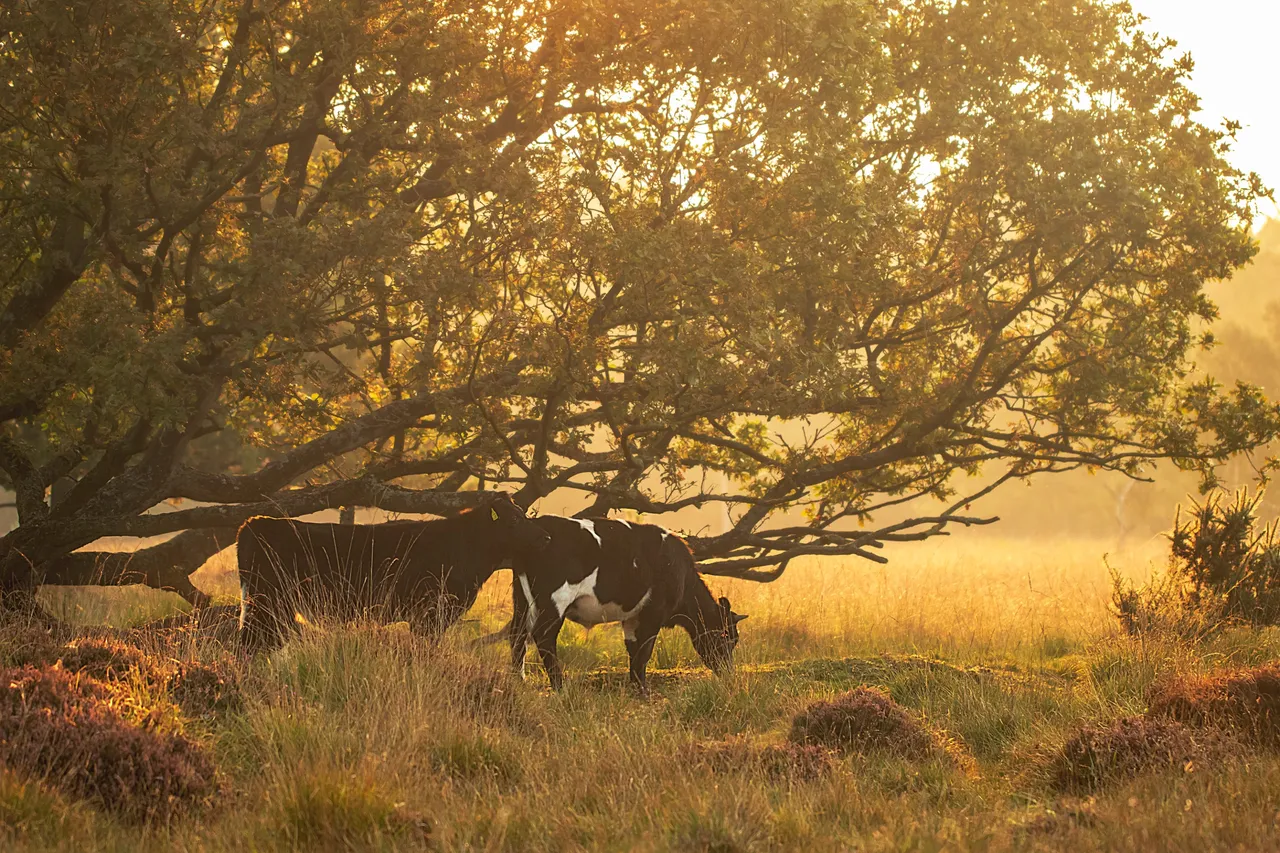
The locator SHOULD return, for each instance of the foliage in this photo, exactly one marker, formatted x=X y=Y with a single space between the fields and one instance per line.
x=1224 y=565
x=200 y=689
x=1097 y=755
x=862 y=720
x=333 y=747
x=57 y=726
x=802 y=259
x=1245 y=702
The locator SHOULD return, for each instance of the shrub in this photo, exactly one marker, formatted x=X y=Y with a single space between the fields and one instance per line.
x=29 y=645
x=862 y=720
x=97 y=657
x=1097 y=755
x=201 y=690
x=103 y=658
x=1223 y=566
x=56 y=725
x=1245 y=702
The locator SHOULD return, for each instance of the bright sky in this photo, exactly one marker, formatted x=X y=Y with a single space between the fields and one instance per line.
x=1237 y=74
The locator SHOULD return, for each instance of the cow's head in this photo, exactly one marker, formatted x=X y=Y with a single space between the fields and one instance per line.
x=508 y=527
x=719 y=637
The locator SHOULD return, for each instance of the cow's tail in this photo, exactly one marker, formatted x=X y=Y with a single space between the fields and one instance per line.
x=501 y=635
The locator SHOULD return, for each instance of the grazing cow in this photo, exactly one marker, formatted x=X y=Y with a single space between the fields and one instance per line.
x=603 y=570
x=427 y=572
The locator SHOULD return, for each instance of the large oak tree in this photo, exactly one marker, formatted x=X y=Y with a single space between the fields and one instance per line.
x=831 y=252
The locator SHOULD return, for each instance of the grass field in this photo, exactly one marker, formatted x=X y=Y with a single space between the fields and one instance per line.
x=361 y=738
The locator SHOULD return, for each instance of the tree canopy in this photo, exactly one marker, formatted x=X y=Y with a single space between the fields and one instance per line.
x=837 y=251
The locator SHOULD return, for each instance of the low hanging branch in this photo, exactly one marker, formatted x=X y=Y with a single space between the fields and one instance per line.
x=763 y=280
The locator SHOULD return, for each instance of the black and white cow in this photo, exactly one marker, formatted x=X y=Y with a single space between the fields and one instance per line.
x=427 y=572
x=607 y=570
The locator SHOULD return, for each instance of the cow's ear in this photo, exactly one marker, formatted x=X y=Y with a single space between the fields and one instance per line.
x=738 y=617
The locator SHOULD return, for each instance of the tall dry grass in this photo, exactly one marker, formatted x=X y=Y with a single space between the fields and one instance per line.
x=365 y=738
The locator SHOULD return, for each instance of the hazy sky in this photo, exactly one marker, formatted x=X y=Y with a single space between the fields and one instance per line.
x=1235 y=44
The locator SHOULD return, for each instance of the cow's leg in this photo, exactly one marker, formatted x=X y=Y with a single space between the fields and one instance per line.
x=250 y=637
x=260 y=630
x=641 y=636
x=521 y=608
x=546 y=632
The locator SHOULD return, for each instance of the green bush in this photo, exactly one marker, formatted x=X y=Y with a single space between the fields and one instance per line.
x=1224 y=567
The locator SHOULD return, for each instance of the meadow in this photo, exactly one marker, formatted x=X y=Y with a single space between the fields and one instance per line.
x=362 y=737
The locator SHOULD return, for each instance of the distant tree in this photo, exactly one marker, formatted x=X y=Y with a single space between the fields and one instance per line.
x=836 y=251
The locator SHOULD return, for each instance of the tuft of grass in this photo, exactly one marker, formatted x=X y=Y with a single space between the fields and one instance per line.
x=96 y=657
x=780 y=761
x=333 y=810
x=30 y=813
x=472 y=757
x=726 y=706
x=103 y=658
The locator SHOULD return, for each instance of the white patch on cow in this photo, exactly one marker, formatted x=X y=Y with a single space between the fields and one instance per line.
x=624 y=523
x=568 y=593
x=589 y=526
x=665 y=534
x=532 y=613
x=244 y=604
x=578 y=601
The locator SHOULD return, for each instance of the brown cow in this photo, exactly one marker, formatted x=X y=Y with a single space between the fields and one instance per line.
x=425 y=572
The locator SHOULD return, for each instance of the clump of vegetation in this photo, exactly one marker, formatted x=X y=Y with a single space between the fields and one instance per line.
x=1063 y=818
x=862 y=720
x=332 y=810
x=1097 y=755
x=22 y=645
x=783 y=761
x=56 y=725
x=201 y=690
x=482 y=693
x=1224 y=566
x=1246 y=702
x=97 y=657
x=103 y=658
x=472 y=757
x=30 y=812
